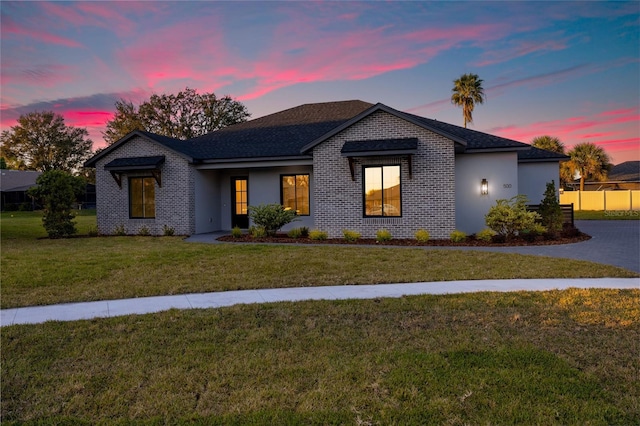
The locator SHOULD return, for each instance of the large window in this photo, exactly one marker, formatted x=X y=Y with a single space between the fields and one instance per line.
x=382 y=191
x=142 y=197
x=295 y=193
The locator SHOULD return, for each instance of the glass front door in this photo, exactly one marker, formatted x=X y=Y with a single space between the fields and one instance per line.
x=239 y=202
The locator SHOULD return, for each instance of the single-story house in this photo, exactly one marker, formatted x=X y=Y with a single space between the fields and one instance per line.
x=14 y=185
x=340 y=165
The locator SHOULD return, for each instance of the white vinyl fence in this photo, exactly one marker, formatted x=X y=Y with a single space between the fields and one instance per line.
x=602 y=200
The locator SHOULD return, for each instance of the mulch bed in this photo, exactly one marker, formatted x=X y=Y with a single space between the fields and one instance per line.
x=409 y=242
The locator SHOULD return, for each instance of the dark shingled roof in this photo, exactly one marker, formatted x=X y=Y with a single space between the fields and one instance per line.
x=294 y=132
x=282 y=134
x=536 y=155
x=405 y=144
x=475 y=140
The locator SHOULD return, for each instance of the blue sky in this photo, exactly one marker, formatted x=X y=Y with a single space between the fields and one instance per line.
x=567 y=69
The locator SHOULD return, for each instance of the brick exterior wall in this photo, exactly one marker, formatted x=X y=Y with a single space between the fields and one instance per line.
x=174 y=200
x=428 y=198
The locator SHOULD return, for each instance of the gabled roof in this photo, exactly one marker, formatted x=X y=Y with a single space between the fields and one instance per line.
x=537 y=155
x=294 y=132
x=467 y=140
x=171 y=143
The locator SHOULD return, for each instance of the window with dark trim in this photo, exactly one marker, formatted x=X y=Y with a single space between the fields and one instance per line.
x=294 y=193
x=382 y=191
x=142 y=197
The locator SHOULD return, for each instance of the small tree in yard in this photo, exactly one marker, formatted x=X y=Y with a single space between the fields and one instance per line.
x=59 y=191
x=509 y=218
x=271 y=217
x=550 y=210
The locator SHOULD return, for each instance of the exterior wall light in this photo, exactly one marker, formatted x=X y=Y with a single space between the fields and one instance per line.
x=484 y=187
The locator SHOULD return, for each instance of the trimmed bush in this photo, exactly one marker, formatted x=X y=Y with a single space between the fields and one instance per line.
x=119 y=230
x=351 y=236
x=509 y=218
x=236 y=232
x=422 y=235
x=168 y=231
x=318 y=235
x=485 y=235
x=295 y=233
x=383 y=235
x=458 y=236
x=257 y=232
x=271 y=217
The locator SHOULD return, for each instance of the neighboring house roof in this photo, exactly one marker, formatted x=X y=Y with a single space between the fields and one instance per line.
x=627 y=171
x=294 y=132
x=536 y=155
x=17 y=180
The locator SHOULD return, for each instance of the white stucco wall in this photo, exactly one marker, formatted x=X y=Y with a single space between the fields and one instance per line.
x=207 y=201
x=499 y=169
x=533 y=179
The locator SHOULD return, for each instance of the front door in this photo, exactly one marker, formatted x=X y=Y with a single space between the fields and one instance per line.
x=239 y=202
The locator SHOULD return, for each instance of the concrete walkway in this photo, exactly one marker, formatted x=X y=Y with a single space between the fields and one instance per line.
x=147 y=305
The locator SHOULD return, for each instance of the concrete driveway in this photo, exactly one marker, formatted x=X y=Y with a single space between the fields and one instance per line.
x=613 y=242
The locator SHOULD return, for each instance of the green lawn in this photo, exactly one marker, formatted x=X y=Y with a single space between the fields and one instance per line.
x=606 y=215
x=43 y=271
x=562 y=357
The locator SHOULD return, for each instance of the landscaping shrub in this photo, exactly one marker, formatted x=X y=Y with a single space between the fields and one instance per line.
x=304 y=231
x=509 y=218
x=257 y=232
x=422 y=235
x=168 y=231
x=295 y=233
x=351 y=235
x=119 y=230
x=550 y=211
x=318 y=235
x=93 y=231
x=236 y=232
x=383 y=235
x=271 y=217
x=458 y=236
x=485 y=235
x=144 y=231
x=58 y=191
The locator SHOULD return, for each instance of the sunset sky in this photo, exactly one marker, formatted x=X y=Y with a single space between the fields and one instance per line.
x=567 y=69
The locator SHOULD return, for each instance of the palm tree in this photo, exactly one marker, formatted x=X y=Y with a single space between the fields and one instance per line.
x=467 y=91
x=550 y=143
x=590 y=161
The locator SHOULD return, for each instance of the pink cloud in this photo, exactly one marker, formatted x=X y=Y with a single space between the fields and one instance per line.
x=519 y=49
x=10 y=27
x=614 y=130
x=309 y=46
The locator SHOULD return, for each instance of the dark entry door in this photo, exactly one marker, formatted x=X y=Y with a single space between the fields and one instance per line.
x=239 y=202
